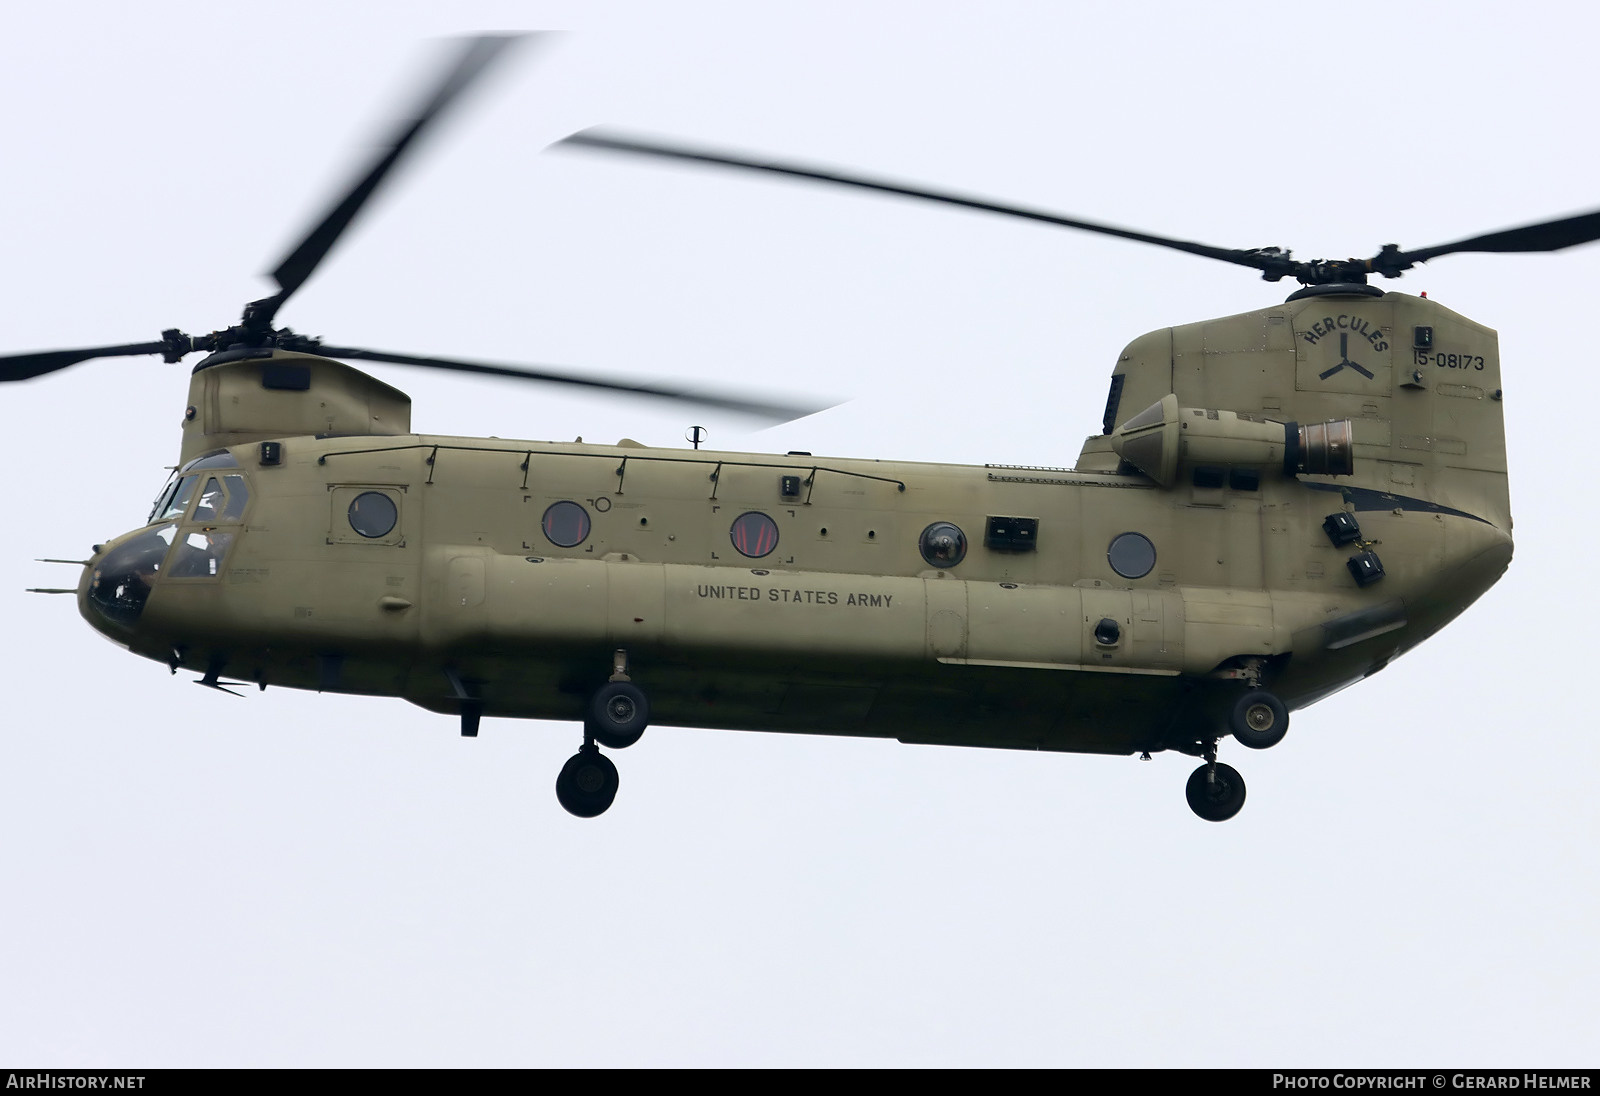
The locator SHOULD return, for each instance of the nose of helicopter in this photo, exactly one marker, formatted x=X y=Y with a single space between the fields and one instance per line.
x=118 y=580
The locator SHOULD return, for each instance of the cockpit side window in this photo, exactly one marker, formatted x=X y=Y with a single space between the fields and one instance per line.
x=199 y=555
x=210 y=503
x=238 y=496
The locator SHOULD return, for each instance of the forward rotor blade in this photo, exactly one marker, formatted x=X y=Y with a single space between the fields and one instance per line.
x=21 y=367
x=477 y=55
x=1545 y=236
x=618 y=142
x=769 y=411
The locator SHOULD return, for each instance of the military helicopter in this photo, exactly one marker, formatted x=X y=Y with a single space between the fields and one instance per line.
x=1277 y=504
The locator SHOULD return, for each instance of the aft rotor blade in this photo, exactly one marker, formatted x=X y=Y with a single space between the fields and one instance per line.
x=477 y=54
x=1545 y=236
x=770 y=411
x=21 y=367
x=648 y=146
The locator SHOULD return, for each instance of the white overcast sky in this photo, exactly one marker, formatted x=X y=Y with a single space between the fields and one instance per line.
x=293 y=879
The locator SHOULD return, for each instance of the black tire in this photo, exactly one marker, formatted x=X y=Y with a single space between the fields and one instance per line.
x=1219 y=800
x=587 y=783
x=609 y=739
x=618 y=714
x=1258 y=720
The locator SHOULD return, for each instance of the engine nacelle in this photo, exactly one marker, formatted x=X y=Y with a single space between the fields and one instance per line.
x=1164 y=436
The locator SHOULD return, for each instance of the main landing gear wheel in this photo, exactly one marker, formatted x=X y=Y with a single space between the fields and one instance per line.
x=587 y=783
x=1215 y=791
x=618 y=715
x=1258 y=720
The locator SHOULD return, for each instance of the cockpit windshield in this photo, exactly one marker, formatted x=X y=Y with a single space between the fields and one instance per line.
x=161 y=498
x=125 y=576
x=174 y=498
x=223 y=498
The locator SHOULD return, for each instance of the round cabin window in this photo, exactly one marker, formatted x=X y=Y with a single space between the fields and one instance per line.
x=754 y=534
x=943 y=544
x=373 y=514
x=566 y=524
x=1132 y=555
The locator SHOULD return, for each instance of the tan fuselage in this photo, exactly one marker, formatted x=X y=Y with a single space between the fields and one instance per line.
x=845 y=626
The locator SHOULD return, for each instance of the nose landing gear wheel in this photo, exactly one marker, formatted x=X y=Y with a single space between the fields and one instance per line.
x=618 y=714
x=1215 y=791
x=587 y=783
x=1258 y=720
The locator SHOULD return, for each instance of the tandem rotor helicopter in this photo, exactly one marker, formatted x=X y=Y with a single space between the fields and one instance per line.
x=1276 y=505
